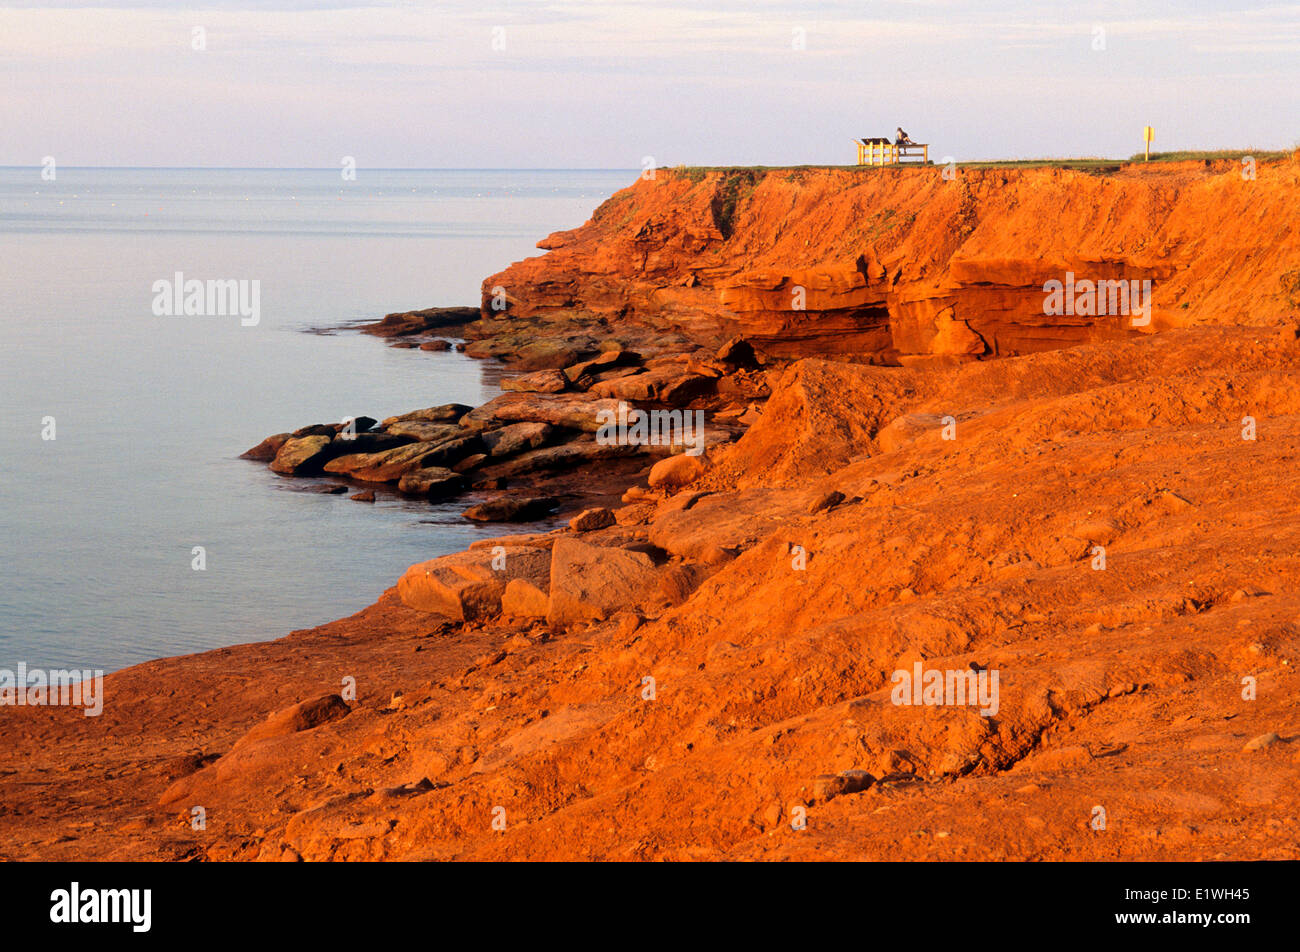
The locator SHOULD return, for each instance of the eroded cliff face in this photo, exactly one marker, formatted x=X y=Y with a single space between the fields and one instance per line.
x=906 y=266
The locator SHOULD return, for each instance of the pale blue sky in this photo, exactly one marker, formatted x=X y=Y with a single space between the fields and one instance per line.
x=590 y=83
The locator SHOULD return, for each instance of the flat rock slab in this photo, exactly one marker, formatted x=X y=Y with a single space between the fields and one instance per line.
x=573 y=411
x=426 y=431
x=443 y=413
x=511 y=509
x=671 y=384
x=732 y=521
x=390 y=465
x=516 y=438
x=540 y=381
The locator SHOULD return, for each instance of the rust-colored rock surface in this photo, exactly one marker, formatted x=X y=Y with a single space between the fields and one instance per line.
x=905 y=263
x=1092 y=547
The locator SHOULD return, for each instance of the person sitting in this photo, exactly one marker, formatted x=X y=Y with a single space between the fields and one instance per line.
x=903 y=138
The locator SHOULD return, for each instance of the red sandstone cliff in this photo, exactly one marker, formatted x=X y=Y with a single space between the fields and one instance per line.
x=898 y=263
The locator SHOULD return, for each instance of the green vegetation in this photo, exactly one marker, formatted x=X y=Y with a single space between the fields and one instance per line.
x=1236 y=155
x=1088 y=164
x=696 y=173
x=881 y=223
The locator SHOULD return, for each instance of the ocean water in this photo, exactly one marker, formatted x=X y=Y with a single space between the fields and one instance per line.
x=98 y=525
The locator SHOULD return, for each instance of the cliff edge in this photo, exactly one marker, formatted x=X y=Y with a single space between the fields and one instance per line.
x=902 y=265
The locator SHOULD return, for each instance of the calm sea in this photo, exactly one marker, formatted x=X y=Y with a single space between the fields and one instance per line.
x=98 y=525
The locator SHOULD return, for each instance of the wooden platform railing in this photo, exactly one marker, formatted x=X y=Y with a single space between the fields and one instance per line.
x=887 y=153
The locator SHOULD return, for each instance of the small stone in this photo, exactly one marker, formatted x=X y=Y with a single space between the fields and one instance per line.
x=628 y=623
x=825 y=501
x=717 y=555
x=1262 y=741
x=827 y=787
x=676 y=472
x=366 y=496
x=591 y=519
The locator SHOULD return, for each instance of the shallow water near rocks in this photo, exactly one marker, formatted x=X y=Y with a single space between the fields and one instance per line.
x=98 y=526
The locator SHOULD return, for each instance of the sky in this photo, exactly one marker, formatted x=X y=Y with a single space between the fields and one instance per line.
x=624 y=83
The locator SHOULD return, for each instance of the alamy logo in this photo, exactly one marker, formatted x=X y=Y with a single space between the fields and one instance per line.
x=1088 y=298
x=633 y=427
x=103 y=905
x=36 y=687
x=951 y=687
x=214 y=298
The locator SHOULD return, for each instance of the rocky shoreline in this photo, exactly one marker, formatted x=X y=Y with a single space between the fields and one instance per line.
x=534 y=449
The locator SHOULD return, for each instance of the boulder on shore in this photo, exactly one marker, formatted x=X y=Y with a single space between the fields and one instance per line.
x=467 y=586
x=302 y=716
x=675 y=472
x=591 y=583
x=516 y=438
x=540 y=381
x=265 y=451
x=525 y=598
x=591 y=519
x=303 y=455
x=443 y=413
x=672 y=384
x=434 y=482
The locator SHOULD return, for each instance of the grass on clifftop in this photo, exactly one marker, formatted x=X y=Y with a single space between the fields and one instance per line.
x=1258 y=154
x=696 y=173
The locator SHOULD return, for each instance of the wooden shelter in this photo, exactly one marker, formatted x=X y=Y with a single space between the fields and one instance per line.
x=880 y=151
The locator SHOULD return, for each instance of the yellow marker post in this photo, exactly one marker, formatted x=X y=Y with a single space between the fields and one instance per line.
x=1148 y=134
